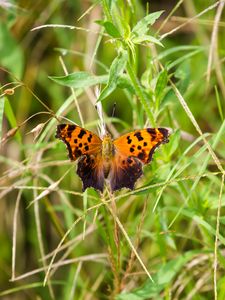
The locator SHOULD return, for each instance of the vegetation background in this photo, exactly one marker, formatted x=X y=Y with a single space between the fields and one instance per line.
x=162 y=63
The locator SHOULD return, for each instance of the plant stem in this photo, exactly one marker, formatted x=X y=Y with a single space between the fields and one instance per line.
x=140 y=94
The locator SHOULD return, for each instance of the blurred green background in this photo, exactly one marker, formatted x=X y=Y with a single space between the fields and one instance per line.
x=173 y=77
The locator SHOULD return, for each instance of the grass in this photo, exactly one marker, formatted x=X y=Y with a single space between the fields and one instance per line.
x=162 y=64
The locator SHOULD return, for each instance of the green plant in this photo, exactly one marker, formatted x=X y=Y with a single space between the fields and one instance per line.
x=164 y=240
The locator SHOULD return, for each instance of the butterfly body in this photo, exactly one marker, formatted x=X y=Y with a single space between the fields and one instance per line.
x=107 y=150
x=120 y=160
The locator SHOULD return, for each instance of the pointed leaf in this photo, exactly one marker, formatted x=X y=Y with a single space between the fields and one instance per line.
x=160 y=88
x=142 y=26
x=146 y=39
x=79 y=79
x=110 y=28
x=116 y=70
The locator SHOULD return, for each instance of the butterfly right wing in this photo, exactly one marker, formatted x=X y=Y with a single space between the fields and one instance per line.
x=131 y=151
x=124 y=172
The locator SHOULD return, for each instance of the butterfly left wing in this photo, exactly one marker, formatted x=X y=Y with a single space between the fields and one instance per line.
x=86 y=146
x=90 y=170
x=131 y=151
x=79 y=141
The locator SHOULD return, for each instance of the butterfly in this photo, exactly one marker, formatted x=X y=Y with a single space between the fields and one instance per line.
x=120 y=160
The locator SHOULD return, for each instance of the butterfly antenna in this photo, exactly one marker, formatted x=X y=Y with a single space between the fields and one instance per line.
x=113 y=110
x=98 y=106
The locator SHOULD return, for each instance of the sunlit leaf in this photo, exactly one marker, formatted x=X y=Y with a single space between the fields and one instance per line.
x=80 y=79
x=142 y=26
x=146 y=39
x=12 y=118
x=109 y=28
x=174 y=142
x=116 y=69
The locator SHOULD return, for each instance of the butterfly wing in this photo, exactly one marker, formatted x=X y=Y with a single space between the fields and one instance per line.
x=124 y=172
x=78 y=140
x=86 y=146
x=90 y=170
x=141 y=143
x=131 y=151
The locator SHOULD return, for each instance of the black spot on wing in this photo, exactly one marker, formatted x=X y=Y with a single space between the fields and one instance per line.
x=129 y=140
x=70 y=129
x=89 y=138
x=152 y=133
x=151 y=130
x=138 y=136
x=142 y=155
x=82 y=133
x=77 y=152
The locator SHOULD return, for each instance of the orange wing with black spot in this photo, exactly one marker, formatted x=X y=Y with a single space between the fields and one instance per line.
x=141 y=143
x=132 y=150
x=86 y=146
x=79 y=141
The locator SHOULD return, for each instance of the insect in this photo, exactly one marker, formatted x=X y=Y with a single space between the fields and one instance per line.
x=120 y=160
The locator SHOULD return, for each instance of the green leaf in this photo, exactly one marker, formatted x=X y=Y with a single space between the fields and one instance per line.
x=174 y=142
x=161 y=83
x=116 y=70
x=161 y=86
x=170 y=51
x=142 y=26
x=109 y=28
x=11 y=55
x=79 y=79
x=12 y=118
x=146 y=39
x=125 y=83
x=219 y=105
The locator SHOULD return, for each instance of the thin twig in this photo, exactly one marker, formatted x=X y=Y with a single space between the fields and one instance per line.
x=194 y=122
x=189 y=20
x=15 y=233
x=128 y=239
